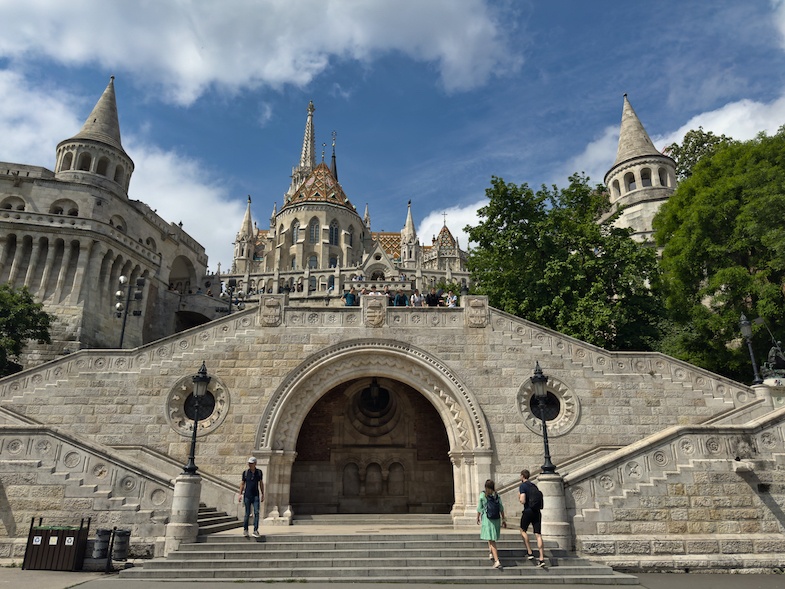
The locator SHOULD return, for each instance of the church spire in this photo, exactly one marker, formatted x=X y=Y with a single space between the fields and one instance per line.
x=246 y=227
x=367 y=217
x=307 y=154
x=333 y=164
x=633 y=139
x=408 y=233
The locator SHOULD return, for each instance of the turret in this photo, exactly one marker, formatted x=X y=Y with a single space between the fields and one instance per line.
x=410 y=247
x=641 y=178
x=95 y=155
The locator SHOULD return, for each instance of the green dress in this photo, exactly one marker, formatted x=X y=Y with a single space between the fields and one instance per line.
x=491 y=528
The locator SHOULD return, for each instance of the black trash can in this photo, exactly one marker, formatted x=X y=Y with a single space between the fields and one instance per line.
x=122 y=541
x=101 y=544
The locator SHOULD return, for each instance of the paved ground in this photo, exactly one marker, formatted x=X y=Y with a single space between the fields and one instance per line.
x=14 y=578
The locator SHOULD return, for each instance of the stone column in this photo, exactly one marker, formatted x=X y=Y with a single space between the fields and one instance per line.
x=33 y=261
x=277 y=468
x=555 y=523
x=183 y=526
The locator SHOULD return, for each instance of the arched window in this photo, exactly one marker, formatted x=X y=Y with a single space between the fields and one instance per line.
x=64 y=206
x=119 y=173
x=333 y=262
x=84 y=162
x=615 y=189
x=294 y=262
x=103 y=166
x=663 y=174
x=295 y=231
x=313 y=262
x=334 y=232
x=280 y=234
x=68 y=160
x=350 y=236
x=629 y=182
x=313 y=231
x=13 y=203
x=645 y=177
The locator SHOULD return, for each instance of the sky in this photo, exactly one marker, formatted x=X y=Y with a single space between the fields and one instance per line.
x=429 y=98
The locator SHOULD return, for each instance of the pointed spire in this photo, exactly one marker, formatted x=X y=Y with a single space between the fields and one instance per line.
x=103 y=124
x=246 y=227
x=633 y=139
x=367 y=217
x=308 y=154
x=333 y=164
x=409 y=233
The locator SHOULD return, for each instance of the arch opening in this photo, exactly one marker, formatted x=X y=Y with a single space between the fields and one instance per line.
x=372 y=445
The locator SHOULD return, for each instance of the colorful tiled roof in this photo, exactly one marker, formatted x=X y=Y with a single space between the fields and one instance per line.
x=320 y=186
x=390 y=242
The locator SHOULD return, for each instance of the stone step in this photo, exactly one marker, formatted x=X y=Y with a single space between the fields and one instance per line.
x=427 y=557
x=413 y=519
x=212 y=521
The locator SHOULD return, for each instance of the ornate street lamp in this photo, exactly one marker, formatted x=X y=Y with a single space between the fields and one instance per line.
x=200 y=380
x=539 y=381
x=121 y=310
x=746 y=333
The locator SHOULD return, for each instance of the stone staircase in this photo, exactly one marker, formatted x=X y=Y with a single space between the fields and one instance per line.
x=212 y=521
x=344 y=556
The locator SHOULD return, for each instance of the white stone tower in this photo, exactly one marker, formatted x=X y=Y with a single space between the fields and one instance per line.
x=641 y=178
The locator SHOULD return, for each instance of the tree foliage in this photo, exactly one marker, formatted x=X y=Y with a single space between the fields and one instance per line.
x=543 y=256
x=723 y=239
x=21 y=319
x=696 y=145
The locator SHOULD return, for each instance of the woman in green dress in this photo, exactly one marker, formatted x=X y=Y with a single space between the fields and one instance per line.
x=490 y=502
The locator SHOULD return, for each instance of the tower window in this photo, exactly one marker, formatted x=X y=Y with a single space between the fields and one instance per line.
x=313 y=262
x=629 y=182
x=84 y=162
x=645 y=177
x=313 y=231
x=103 y=166
x=295 y=232
x=663 y=174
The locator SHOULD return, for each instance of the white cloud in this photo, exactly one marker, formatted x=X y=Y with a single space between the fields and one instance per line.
x=457 y=218
x=33 y=120
x=595 y=160
x=741 y=120
x=179 y=189
x=188 y=46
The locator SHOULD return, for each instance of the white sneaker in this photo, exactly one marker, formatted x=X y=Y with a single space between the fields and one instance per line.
x=256 y=533
x=497 y=565
x=245 y=533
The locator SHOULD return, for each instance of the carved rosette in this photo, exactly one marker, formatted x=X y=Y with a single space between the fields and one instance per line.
x=569 y=412
x=175 y=407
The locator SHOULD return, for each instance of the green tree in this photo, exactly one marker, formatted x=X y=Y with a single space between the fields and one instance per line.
x=21 y=319
x=723 y=239
x=696 y=145
x=545 y=257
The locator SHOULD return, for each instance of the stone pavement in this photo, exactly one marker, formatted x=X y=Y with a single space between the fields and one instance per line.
x=15 y=578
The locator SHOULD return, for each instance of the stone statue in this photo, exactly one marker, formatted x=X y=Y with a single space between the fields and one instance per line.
x=774 y=367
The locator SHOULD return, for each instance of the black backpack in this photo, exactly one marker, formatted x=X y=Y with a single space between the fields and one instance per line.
x=492 y=509
x=534 y=496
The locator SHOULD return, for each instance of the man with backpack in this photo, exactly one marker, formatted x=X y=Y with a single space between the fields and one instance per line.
x=531 y=499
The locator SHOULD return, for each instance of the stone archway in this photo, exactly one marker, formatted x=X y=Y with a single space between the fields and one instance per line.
x=372 y=445
x=465 y=425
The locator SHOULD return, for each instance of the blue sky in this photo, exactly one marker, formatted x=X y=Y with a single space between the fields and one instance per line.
x=429 y=98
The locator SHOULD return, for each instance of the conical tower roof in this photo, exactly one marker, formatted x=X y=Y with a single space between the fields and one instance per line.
x=246 y=227
x=103 y=124
x=409 y=233
x=633 y=139
x=445 y=240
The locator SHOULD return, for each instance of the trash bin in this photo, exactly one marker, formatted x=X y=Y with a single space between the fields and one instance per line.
x=56 y=547
x=122 y=540
x=101 y=544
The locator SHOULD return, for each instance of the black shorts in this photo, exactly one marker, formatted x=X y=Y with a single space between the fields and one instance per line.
x=533 y=517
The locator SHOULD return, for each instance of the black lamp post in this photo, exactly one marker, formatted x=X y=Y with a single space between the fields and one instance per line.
x=121 y=310
x=201 y=380
x=539 y=381
x=746 y=333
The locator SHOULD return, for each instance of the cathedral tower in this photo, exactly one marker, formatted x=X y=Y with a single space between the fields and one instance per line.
x=641 y=178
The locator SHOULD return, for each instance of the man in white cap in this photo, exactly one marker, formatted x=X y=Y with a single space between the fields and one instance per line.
x=252 y=492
